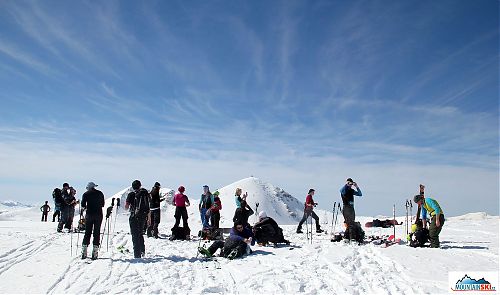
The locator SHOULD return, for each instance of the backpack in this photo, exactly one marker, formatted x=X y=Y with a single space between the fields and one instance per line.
x=140 y=207
x=180 y=233
x=57 y=196
x=358 y=234
x=419 y=238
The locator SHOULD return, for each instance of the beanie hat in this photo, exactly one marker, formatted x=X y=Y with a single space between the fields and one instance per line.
x=262 y=214
x=136 y=184
x=157 y=184
x=181 y=189
x=418 y=198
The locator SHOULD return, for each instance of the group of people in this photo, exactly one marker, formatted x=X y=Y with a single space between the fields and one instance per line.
x=426 y=206
x=145 y=216
x=64 y=207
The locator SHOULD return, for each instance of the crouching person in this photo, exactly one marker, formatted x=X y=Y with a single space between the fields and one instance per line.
x=267 y=231
x=92 y=203
x=236 y=245
x=431 y=207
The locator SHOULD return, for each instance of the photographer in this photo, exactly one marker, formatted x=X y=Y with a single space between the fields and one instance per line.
x=309 y=210
x=92 y=203
x=347 y=192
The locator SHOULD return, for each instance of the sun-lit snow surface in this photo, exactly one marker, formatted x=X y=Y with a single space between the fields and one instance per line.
x=35 y=259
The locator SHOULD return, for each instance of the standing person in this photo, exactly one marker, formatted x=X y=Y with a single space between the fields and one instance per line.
x=215 y=210
x=138 y=204
x=65 y=209
x=431 y=206
x=92 y=203
x=180 y=202
x=309 y=211
x=154 y=210
x=206 y=201
x=238 y=198
x=45 y=211
x=71 y=210
x=347 y=192
x=58 y=199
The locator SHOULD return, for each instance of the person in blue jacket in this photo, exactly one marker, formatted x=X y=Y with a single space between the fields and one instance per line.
x=206 y=202
x=236 y=245
x=347 y=192
x=431 y=207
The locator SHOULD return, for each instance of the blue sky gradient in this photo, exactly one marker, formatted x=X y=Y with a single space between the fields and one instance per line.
x=300 y=93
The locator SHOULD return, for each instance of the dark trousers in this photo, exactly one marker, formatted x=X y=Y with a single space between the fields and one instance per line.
x=44 y=216
x=214 y=219
x=181 y=212
x=308 y=213
x=136 y=230
x=349 y=214
x=215 y=246
x=64 y=218
x=154 y=222
x=58 y=214
x=434 y=231
x=92 y=225
x=71 y=215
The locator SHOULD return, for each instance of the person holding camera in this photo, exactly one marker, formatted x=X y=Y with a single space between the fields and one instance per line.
x=92 y=203
x=347 y=192
x=309 y=211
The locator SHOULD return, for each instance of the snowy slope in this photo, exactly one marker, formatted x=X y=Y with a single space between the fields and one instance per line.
x=277 y=203
x=35 y=259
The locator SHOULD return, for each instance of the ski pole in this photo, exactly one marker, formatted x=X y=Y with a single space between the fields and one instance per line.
x=394 y=215
x=333 y=215
x=71 y=229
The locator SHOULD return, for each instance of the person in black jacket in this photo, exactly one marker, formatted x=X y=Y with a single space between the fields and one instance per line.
x=268 y=231
x=92 y=202
x=154 y=209
x=66 y=208
x=242 y=214
x=138 y=204
x=45 y=210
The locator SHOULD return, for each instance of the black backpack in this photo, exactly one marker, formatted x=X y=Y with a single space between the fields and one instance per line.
x=358 y=234
x=57 y=196
x=419 y=238
x=140 y=207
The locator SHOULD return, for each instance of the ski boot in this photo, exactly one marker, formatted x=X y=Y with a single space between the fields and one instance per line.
x=84 y=251
x=233 y=254
x=319 y=230
x=204 y=251
x=299 y=230
x=95 y=252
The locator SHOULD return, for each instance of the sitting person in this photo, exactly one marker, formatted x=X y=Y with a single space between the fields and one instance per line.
x=268 y=231
x=236 y=245
x=242 y=214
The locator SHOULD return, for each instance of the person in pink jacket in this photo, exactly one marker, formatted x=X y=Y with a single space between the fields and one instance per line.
x=181 y=201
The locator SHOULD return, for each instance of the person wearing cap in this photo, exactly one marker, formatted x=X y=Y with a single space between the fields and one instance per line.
x=309 y=211
x=92 y=203
x=347 y=193
x=154 y=209
x=181 y=201
x=214 y=211
x=268 y=231
x=431 y=207
x=206 y=201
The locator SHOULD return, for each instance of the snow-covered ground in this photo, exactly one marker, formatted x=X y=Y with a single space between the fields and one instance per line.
x=36 y=259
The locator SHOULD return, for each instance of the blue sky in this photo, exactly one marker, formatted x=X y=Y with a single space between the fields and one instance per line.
x=299 y=93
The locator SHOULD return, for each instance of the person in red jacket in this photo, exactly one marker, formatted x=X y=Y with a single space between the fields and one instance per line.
x=309 y=210
x=181 y=201
x=214 y=211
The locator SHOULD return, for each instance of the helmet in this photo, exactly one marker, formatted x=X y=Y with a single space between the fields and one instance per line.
x=136 y=184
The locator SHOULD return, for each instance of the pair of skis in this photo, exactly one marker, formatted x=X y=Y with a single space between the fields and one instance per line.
x=335 y=213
